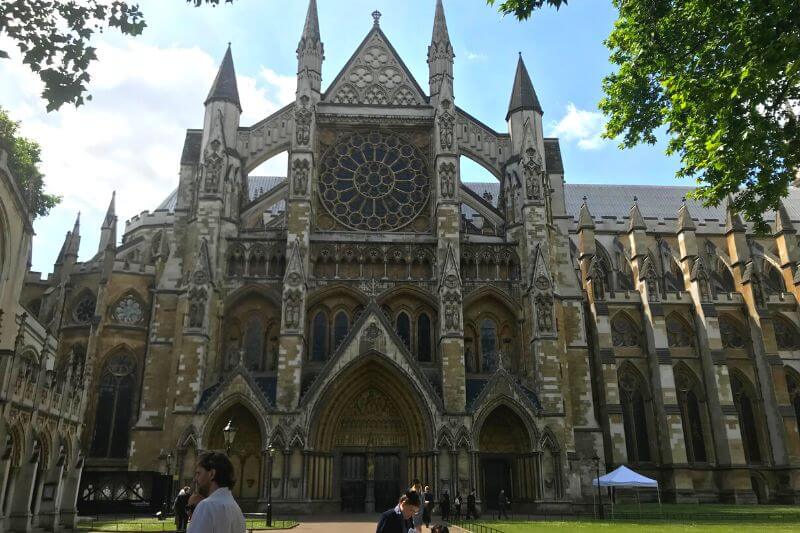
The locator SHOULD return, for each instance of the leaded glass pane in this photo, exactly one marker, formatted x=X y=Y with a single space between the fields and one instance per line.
x=374 y=182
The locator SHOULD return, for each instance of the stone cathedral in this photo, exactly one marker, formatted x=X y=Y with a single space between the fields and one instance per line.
x=371 y=318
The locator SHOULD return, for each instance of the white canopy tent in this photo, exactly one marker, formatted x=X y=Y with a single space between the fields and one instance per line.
x=624 y=477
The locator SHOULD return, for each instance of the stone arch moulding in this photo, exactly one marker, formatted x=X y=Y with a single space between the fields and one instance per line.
x=519 y=410
x=514 y=308
x=221 y=406
x=369 y=372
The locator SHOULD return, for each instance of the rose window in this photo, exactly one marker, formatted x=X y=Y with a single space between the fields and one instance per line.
x=128 y=311
x=84 y=310
x=374 y=182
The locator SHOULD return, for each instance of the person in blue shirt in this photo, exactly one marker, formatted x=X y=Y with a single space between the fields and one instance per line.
x=398 y=519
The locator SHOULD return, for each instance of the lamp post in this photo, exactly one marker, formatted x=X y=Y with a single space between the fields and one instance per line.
x=229 y=432
x=600 y=513
x=168 y=498
x=271 y=450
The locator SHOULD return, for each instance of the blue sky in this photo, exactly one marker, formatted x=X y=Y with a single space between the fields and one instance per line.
x=149 y=89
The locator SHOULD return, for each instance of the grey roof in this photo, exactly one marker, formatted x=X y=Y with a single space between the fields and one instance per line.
x=257 y=186
x=552 y=156
x=191 y=147
x=523 y=96
x=655 y=202
x=225 y=87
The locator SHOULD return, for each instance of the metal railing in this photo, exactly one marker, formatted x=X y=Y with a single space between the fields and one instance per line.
x=474 y=527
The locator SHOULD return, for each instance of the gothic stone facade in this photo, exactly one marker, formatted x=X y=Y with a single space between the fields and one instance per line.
x=370 y=319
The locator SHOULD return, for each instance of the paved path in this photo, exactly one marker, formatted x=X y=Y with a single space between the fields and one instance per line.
x=355 y=523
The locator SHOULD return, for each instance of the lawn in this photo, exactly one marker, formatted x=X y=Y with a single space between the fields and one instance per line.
x=153 y=524
x=669 y=519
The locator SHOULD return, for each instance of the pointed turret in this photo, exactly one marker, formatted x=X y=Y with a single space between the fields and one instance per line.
x=67 y=245
x=637 y=220
x=783 y=223
x=733 y=222
x=585 y=220
x=108 y=231
x=310 y=53
x=75 y=238
x=523 y=95
x=440 y=52
x=224 y=88
x=685 y=222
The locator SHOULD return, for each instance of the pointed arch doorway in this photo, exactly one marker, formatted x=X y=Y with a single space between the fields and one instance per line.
x=371 y=436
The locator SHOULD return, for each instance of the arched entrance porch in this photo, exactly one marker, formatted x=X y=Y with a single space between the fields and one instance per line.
x=246 y=452
x=370 y=437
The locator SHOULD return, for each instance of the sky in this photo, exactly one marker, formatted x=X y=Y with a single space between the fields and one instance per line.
x=149 y=89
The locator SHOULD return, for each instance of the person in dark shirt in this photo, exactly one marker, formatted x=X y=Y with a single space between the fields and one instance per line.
x=398 y=520
x=444 y=505
x=471 y=510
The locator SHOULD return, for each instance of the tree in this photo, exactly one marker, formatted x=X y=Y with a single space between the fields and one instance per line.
x=723 y=78
x=54 y=37
x=523 y=9
x=23 y=162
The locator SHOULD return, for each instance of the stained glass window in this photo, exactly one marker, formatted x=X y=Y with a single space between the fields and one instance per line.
x=374 y=182
x=319 y=329
x=404 y=329
x=424 y=338
x=84 y=310
x=128 y=311
x=114 y=407
x=340 y=327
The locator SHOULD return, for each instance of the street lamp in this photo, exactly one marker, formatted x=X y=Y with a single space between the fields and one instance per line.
x=168 y=498
x=600 y=513
x=229 y=432
x=271 y=450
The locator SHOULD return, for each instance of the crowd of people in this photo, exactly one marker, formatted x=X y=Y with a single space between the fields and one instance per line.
x=211 y=508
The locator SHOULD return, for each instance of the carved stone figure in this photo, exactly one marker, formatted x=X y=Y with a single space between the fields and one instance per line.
x=292 y=309
x=213 y=163
x=301 y=168
x=197 y=307
x=302 y=119
x=532 y=168
x=452 y=312
x=651 y=279
x=447 y=178
x=544 y=312
x=446 y=126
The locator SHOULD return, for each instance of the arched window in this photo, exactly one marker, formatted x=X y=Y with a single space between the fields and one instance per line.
x=624 y=332
x=731 y=333
x=679 y=334
x=340 y=327
x=424 y=338
x=691 y=417
x=624 y=272
x=319 y=337
x=634 y=416
x=793 y=384
x=254 y=344
x=257 y=264
x=403 y=325
x=785 y=335
x=236 y=261
x=773 y=277
x=114 y=407
x=488 y=345
x=747 y=419
x=84 y=308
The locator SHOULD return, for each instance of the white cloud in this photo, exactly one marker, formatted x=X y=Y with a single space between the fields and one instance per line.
x=129 y=137
x=580 y=126
x=475 y=56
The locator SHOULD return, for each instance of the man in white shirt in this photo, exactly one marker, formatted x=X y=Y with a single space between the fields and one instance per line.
x=218 y=512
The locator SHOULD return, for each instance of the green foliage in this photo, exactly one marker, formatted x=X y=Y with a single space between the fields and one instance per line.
x=723 y=77
x=23 y=160
x=523 y=9
x=54 y=37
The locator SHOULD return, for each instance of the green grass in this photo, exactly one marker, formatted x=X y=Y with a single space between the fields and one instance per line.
x=153 y=524
x=670 y=519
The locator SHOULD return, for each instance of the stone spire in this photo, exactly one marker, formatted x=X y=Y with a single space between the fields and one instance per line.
x=310 y=52
x=68 y=245
x=224 y=87
x=733 y=222
x=585 y=220
x=685 y=222
x=108 y=231
x=637 y=221
x=74 y=239
x=523 y=95
x=440 y=52
x=783 y=223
